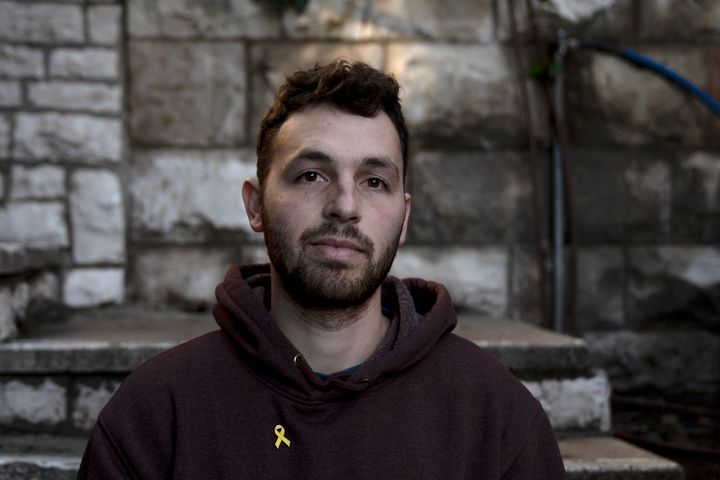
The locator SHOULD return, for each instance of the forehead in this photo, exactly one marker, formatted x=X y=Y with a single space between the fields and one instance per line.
x=344 y=136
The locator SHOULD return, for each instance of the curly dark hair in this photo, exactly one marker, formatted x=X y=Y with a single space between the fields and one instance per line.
x=353 y=87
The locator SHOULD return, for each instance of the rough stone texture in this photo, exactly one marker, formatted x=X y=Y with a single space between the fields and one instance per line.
x=679 y=364
x=86 y=63
x=21 y=62
x=696 y=198
x=335 y=19
x=41 y=23
x=183 y=19
x=469 y=197
x=271 y=63
x=461 y=95
x=104 y=24
x=4 y=137
x=55 y=136
x=600 y=287
x=44 y=403
x=587 y=19
x=189 y=195
x=621 y=198
x=92 y=97
x=610 y=101
x=182 y=276
x=20 y=299
x=98 y=221
x=187 y=93
x=694 y=21
x=36 y=224
x=428 y=19
x=89 y=287
x=42 y=182
x=13 y=257
x=475 y=278
x=89 y=401
x=9 y=94
x=674 y=284
x=524 y=301
x=8 y=328
x=581 y=403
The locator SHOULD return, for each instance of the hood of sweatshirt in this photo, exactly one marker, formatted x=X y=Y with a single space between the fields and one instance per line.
x=421 y=314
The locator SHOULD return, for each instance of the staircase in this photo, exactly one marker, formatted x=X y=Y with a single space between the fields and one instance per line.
x=54 y=381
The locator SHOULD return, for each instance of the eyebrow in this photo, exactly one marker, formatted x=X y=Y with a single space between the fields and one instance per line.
x=382 y=161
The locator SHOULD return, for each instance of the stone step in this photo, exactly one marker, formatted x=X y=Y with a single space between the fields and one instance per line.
x=58 y=377
x=586 y=458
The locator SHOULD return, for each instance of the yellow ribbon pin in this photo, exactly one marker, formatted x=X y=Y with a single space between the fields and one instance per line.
x=280 y=434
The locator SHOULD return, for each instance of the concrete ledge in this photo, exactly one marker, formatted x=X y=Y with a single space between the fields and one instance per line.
x=121 y=338
x=607 y=458
x=38 y=467
x=525 y=349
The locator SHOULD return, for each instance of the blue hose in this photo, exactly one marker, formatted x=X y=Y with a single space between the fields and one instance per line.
x=674 y=77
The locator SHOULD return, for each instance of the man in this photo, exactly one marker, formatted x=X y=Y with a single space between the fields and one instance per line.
x=324 y=367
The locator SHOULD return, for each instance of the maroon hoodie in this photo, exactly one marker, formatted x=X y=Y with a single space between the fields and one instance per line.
x=241 y=403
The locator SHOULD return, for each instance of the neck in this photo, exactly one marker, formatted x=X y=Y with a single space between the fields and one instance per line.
x=330 y=340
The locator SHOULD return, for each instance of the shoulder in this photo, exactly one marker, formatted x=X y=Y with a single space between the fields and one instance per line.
x=473 y=371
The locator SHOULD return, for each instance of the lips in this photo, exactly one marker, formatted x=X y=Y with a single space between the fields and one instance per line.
x=337 y=250
x=338 y=243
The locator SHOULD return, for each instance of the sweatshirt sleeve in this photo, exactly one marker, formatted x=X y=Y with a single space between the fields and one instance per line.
x=133 y=436
x=540 y=458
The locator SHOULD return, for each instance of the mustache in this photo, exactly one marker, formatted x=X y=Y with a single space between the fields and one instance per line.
x=346 y=232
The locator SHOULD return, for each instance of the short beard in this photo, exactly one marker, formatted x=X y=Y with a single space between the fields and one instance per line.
x=322 y=286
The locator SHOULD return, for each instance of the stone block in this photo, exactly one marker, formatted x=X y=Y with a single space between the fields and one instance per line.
x=463 y=95
x=429 y=19
x=10 y=95
x=186 y=94
x=104 y=24
x=90 y=287
x=330 y=19
x=86 y=63
x=581 y=403
x=13 y=258
x=680 y=20
x=610 y=101
x=4 y=137
x=185 y=276
x=186 y=19
x=677 y=285
x=475 y=278
x=587 y=19
x=271 y=63
x=35 y=224
x=89 y=401
x=525 y=303
x=97 y=215
x=621 y=198
x=21 y=62
x=469 y=197
x=75 y=137
x=41 y=22
x=41 y=182
x=678 y=364
x=696 y=198
x=189 y=195
x=600 y=287
x=62 y=95
x=8 y=327
x=31 y=401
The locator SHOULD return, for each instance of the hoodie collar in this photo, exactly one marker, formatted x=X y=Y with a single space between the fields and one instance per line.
x=423 y=314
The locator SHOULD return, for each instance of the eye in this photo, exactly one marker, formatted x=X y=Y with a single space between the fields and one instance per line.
x=374 y=182
x=310 y=177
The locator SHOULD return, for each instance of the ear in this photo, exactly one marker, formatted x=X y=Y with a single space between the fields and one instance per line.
x=403 y=234
x=253 y=205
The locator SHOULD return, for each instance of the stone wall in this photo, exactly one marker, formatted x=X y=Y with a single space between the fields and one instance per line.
x=62 y=154
x=126 y=130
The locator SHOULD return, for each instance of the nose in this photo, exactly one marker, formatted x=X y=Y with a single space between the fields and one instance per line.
x=342 y=203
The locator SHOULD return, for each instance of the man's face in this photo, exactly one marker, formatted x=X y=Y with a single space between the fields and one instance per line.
x=333 y=208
